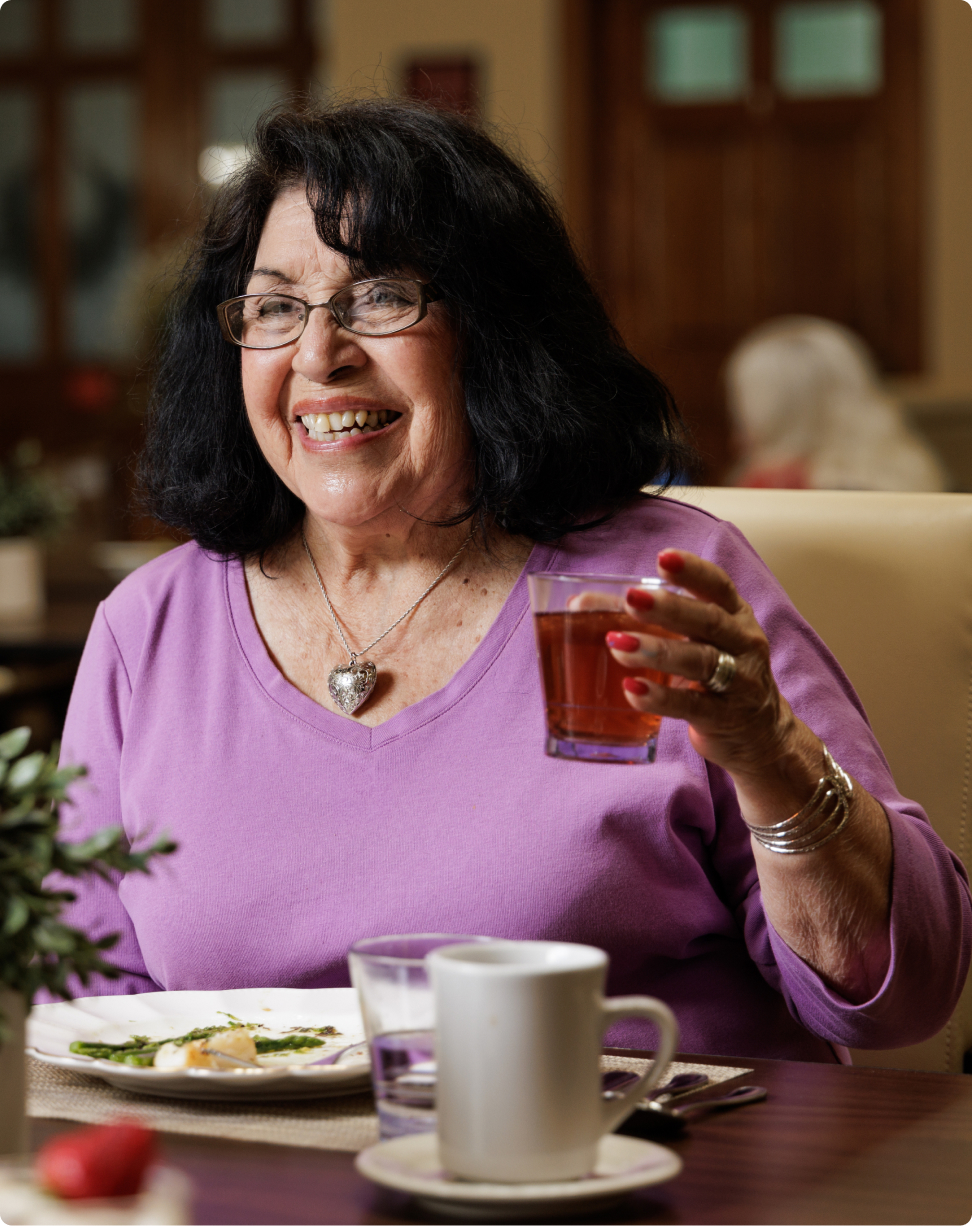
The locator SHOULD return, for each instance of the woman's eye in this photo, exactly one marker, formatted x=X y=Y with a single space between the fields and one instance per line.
x=277 y=308
x=386 y=296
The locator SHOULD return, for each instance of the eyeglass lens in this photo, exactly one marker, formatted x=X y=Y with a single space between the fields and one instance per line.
x=374 y=308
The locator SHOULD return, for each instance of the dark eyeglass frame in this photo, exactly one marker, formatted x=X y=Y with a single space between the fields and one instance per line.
x=425 y=291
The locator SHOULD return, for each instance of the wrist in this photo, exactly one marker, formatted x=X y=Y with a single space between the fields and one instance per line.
x=786 y=781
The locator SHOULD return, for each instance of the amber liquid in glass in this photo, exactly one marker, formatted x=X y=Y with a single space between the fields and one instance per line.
x=582 y=680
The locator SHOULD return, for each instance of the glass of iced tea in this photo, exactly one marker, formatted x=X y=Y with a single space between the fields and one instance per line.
x=588 y=716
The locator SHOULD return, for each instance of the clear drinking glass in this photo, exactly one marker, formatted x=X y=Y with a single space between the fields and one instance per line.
x=588 y=716
x=399 y=1019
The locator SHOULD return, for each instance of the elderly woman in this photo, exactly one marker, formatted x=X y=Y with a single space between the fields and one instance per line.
x=388 y=394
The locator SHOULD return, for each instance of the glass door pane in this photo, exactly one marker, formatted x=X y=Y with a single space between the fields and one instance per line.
x=100 y=25
x=20 y=316
x=828 y=47
x=236 y=22
x=101 y=170
x=236 y=100
x=697 y=53
x=19 y=31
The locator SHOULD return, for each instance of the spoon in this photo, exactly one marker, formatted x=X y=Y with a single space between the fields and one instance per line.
x=655 y=1121
x=738 y=1097
x=616 y=1081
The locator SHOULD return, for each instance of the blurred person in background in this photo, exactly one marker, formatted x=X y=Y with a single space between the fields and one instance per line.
x=809 y=412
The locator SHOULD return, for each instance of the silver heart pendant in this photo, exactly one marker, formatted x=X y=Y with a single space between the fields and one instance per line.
x=351 y=684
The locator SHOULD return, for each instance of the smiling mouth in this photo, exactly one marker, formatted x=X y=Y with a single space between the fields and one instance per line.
x=326 y=427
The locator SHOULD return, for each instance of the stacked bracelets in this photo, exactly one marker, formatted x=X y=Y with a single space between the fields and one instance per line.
x=822 y=818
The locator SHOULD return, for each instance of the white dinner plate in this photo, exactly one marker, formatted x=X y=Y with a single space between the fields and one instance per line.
x=411 y=1164
x=51 y=1029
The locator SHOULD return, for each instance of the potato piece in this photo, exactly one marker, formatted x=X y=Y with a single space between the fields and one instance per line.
x=238 y=1043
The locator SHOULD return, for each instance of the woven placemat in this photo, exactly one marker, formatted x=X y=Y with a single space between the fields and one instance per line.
x=346 y=1123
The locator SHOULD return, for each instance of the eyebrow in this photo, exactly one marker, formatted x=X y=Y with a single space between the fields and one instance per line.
x=273 y=272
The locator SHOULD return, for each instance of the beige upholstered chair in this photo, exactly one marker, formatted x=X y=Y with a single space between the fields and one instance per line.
x=886 y=581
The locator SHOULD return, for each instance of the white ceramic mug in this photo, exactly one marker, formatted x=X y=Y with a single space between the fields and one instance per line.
x=519 y=1032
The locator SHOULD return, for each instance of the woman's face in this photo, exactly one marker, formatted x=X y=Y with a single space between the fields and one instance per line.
x=419 y=459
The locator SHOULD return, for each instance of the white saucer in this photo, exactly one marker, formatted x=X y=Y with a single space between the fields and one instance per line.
x=411 y=1164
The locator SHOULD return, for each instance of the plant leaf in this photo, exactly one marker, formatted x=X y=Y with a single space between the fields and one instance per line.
x=26 y=771
x=13 y=743
x=18 y=913
x=94 y=846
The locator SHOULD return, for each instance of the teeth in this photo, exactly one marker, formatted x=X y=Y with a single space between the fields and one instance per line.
x=325 y=427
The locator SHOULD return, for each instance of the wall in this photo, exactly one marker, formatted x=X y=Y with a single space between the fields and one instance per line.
x=948 y=52
x=519 y=43
x=516 y=43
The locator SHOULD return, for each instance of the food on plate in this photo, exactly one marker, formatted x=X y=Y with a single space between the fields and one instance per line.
x=242 y=1040
x=205 y=1053
x=105 y=1160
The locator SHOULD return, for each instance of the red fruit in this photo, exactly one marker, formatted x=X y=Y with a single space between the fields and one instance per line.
x=107 y=1160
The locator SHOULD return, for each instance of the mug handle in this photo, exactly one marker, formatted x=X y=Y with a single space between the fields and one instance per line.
x=640 y=1006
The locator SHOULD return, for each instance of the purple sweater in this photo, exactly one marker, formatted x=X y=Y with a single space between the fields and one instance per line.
x=301 y=831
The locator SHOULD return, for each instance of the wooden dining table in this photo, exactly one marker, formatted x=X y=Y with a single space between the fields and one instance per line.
x=828 y=1144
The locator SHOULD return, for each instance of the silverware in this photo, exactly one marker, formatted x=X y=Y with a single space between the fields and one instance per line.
x=221 y=1055
x=616 y=1081
x=655 y=1121
x=738 y=1097
x=337 y=1056
x=333 y=1058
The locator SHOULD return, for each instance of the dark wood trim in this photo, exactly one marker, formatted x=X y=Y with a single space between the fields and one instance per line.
x=579 y=109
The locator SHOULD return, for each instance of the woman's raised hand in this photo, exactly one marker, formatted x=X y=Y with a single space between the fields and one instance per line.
x=746 y=728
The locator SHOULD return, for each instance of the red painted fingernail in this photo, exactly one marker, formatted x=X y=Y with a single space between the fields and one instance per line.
x=671 y=561
x=638 y=598
x=622 y=642
x=634 y=685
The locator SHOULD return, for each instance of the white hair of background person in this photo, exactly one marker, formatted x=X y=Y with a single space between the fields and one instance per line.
x=806 y=389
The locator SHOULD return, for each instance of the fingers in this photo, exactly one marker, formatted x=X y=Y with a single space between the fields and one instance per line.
x=593 y=602
x=693 y=619
x=693 y=661
x=697 y=706
x=704 y=580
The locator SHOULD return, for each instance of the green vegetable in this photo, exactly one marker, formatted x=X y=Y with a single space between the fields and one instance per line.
x=140 y=1050
x=293 y=1042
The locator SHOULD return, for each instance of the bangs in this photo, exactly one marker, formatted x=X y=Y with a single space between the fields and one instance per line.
x=381 y=199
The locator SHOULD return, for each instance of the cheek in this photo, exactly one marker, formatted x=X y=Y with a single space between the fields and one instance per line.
x=263 y=376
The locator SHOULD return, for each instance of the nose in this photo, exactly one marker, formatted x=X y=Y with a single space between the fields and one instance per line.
x=325 y=352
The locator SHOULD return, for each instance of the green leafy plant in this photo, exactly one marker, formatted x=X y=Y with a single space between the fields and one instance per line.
x=36 y=949
x=30 y=503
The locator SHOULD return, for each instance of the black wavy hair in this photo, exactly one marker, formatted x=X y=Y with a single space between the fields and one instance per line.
x=566 y=425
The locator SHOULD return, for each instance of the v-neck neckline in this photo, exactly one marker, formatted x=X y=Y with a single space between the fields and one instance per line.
x=340 y=728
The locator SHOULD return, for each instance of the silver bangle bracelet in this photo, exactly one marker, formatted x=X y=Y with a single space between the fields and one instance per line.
x=821 y=819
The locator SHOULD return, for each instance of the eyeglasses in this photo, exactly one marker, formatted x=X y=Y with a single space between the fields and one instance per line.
x=367 y=308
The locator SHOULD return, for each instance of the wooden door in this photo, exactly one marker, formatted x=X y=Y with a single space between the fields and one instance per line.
x=784 y=182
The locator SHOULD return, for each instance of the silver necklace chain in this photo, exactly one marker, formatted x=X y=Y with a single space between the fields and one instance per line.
x=354 y=655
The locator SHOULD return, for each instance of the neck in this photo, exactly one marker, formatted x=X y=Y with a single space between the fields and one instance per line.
x=381 y=549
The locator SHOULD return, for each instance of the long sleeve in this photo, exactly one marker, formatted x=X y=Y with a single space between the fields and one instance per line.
x=931 y=912
x=94 y=735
